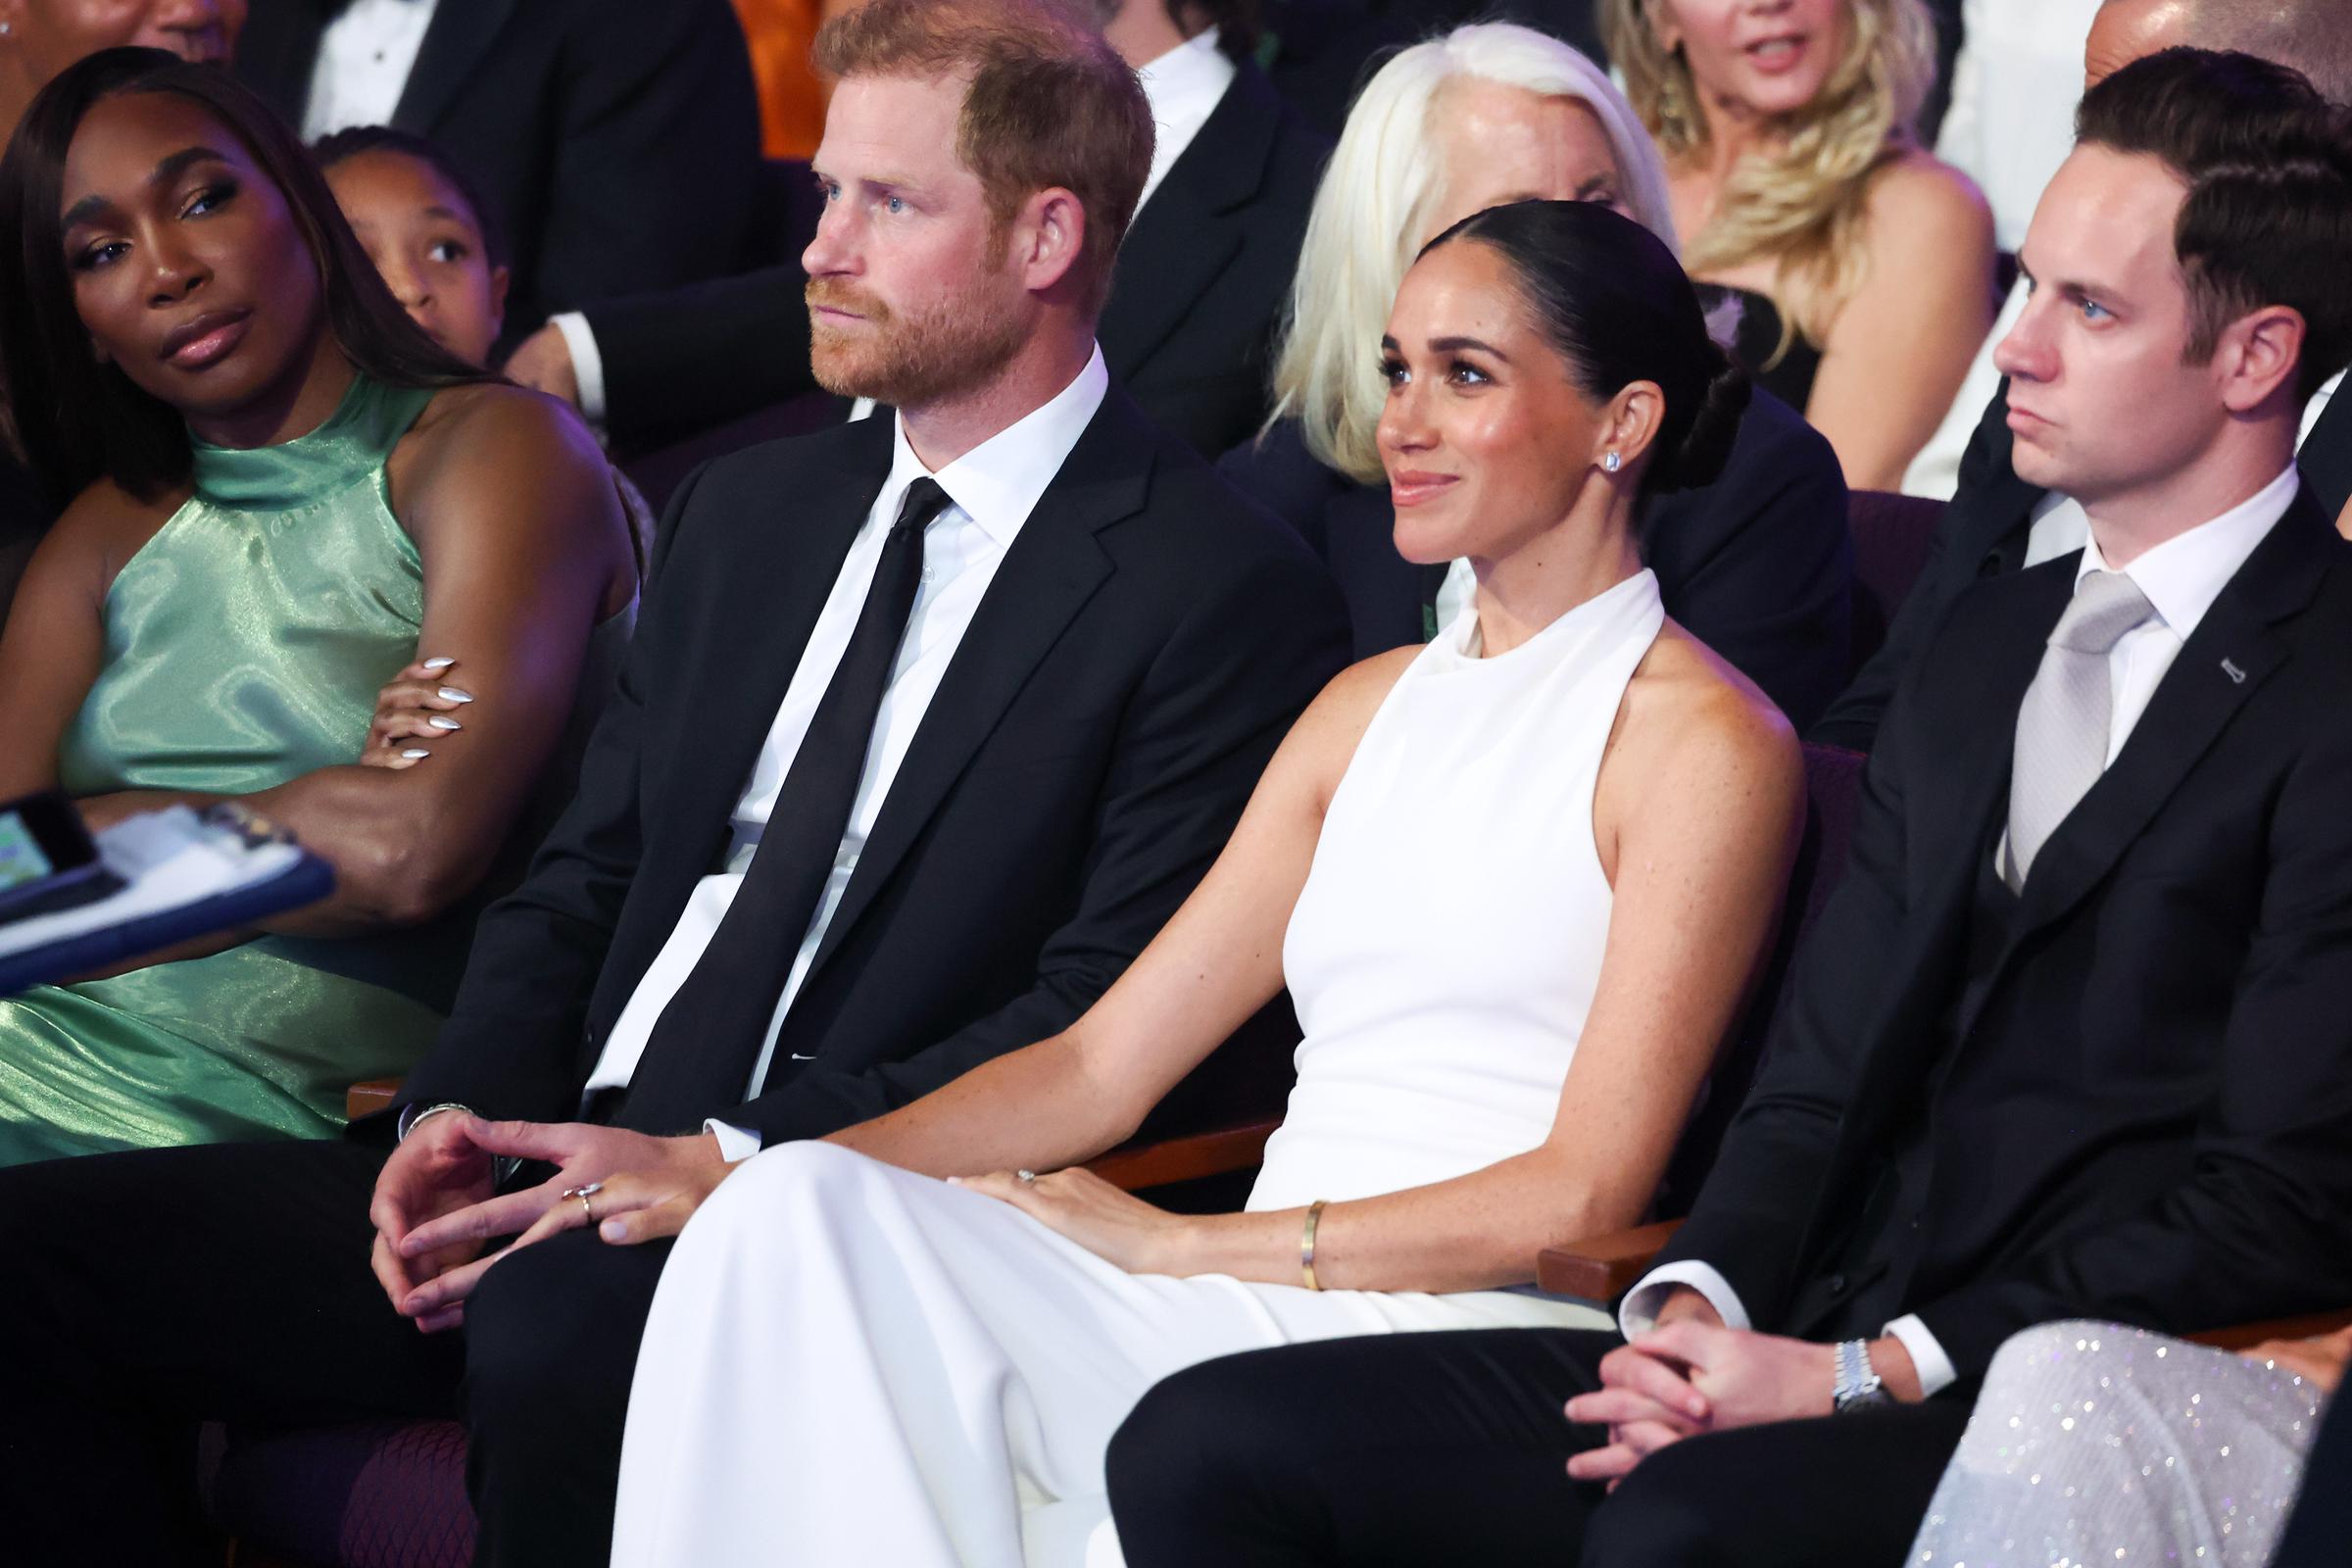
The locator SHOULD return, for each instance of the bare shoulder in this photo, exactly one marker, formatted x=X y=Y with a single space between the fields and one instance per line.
x=1691 y=722
x=1919 y=201
x=1324 y=739
x=495 y=419
x=104 y=526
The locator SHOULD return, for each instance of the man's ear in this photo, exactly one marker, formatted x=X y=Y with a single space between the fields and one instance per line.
x=2258 y=353
x=1049 y=238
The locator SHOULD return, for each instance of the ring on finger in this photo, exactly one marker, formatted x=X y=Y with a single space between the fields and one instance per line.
x=1027 y=1178
x=584 y=1193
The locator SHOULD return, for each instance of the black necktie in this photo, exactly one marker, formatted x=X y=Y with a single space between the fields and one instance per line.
x=698 y=1057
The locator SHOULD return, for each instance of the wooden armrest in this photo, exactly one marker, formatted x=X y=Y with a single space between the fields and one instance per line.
x=1602 y=1268
x=366 y=1100
x=2246 y=1336
x=1134 y=1167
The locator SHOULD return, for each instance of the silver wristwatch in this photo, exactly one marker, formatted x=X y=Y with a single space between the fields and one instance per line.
x=1858 y=1387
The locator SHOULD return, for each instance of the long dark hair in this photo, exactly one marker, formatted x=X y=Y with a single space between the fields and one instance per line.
x=80 y=420
x=1619 y=309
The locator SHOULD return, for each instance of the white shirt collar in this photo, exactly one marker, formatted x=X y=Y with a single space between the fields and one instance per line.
x=1182 y=87
x=2183 y=575
x=998 y=483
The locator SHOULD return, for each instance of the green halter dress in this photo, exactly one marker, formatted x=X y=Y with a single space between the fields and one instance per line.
x=245 y=644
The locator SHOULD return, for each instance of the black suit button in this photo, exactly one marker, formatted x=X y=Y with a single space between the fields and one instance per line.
x=1837 y=1283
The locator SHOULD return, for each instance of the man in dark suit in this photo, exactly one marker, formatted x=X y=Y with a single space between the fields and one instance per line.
x=1997 y=522
x=1190 y=321
x=930 y=723
x=2069 y=1041
x=618 y=142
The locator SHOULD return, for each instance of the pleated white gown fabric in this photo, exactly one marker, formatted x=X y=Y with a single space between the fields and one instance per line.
x=848 y=1364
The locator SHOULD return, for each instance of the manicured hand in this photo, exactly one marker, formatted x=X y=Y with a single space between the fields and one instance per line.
x=417 y=711
x=1106 y=1221
x=543 y=363
x=581 y=1154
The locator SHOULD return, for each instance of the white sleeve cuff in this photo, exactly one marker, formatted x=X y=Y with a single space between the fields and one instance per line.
x=587 y=364
x=1637 y=1313
x=735 y=1144
x=1935 y=1368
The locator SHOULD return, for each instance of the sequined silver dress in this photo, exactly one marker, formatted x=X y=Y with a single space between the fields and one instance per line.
x=2099 y=1446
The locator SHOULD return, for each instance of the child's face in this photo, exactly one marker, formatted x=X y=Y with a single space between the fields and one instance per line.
x=428 y=243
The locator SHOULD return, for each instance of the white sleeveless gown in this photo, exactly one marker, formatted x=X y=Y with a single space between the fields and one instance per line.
x=849 y=1363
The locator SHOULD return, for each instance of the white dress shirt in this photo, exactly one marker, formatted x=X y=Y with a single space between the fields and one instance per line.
x=992 y=490
x=364 y=56
x=2182 y=578
x=1182 y=87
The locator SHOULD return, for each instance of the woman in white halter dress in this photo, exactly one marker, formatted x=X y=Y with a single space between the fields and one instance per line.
x=1516 y=881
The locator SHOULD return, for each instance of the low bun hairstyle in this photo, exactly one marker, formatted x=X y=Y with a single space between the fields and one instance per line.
x=1616 y=305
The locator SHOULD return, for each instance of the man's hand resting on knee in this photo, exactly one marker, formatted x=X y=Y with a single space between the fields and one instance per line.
x=435 y=1208
x=1692 y=1375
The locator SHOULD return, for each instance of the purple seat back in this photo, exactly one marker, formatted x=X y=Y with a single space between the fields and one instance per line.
x=369 y=1494
x=1891 y=534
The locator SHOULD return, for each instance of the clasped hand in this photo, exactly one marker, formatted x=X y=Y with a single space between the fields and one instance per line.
x=1689 y=1377
x=436 y=1206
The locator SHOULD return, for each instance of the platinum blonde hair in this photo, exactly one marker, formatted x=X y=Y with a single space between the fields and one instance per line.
x=1804 y=204
x=1378 y=195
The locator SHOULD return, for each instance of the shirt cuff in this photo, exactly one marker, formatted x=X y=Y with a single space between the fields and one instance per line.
x=1935 y=1368
x=735 y=1144
x=587 y=364
x=1637 y=1313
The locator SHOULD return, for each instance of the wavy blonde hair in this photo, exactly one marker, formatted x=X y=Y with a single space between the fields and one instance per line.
x=1802 y=205
x=1377 y=196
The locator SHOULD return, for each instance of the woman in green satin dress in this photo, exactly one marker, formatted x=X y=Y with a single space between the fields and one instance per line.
x=282 y=493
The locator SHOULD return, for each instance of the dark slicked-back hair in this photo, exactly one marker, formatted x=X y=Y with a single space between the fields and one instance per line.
x=342 y=146
x=1050 y=104
x=78 y=421
x=2268 y=162
x=1617 y=306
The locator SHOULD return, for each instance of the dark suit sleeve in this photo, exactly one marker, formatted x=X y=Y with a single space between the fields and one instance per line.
x=657 y=155
x=1769 y=586
x=512 y=1046
x=1275 y=469
x=1750 y=1220
x=1985 y=483
x=2257 y=1229
x=1216 y=701
x=690 y=359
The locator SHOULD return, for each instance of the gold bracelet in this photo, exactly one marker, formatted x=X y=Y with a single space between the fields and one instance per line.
x=1307 y=1246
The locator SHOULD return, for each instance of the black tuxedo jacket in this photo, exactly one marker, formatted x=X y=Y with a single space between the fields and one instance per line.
x=1199 y=284
x=618 y=143
x=1984 y=534
x=1758 y=566
x=1147 y=641
x=2136 y=1104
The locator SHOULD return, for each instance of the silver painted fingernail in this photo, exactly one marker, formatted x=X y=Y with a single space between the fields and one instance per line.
x=414 y=752
x=450 y=694
x=439 y=663
x=444 y=721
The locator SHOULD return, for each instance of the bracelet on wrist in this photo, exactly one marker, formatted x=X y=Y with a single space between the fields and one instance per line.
x=1307 y=1246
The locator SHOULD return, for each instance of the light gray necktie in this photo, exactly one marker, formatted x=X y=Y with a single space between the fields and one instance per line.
x=2062 y=726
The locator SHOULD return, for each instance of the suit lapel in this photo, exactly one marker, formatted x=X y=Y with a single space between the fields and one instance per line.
x=2224 y=663
x=2327 y=455
x=1050 y=571
x=454 y=43
x=2003 y=521
x=276 y=53
x=769 y=605
x=1176 y=248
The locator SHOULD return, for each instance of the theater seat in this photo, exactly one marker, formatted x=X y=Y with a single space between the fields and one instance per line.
x=1891 y=534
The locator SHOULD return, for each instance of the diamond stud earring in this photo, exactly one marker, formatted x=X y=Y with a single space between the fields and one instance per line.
x=1612 y=463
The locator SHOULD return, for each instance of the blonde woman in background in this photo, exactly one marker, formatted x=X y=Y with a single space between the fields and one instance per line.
x=1794 y=176
x=1757 y=564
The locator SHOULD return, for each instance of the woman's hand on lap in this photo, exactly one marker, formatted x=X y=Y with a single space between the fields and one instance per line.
x=1111 y=1223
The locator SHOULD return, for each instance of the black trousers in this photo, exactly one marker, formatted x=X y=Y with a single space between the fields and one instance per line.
x=2318 y=1533
x=145 y=1292
x=1420 y=1448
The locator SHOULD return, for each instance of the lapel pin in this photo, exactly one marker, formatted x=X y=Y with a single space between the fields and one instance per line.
x=2236 y=675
